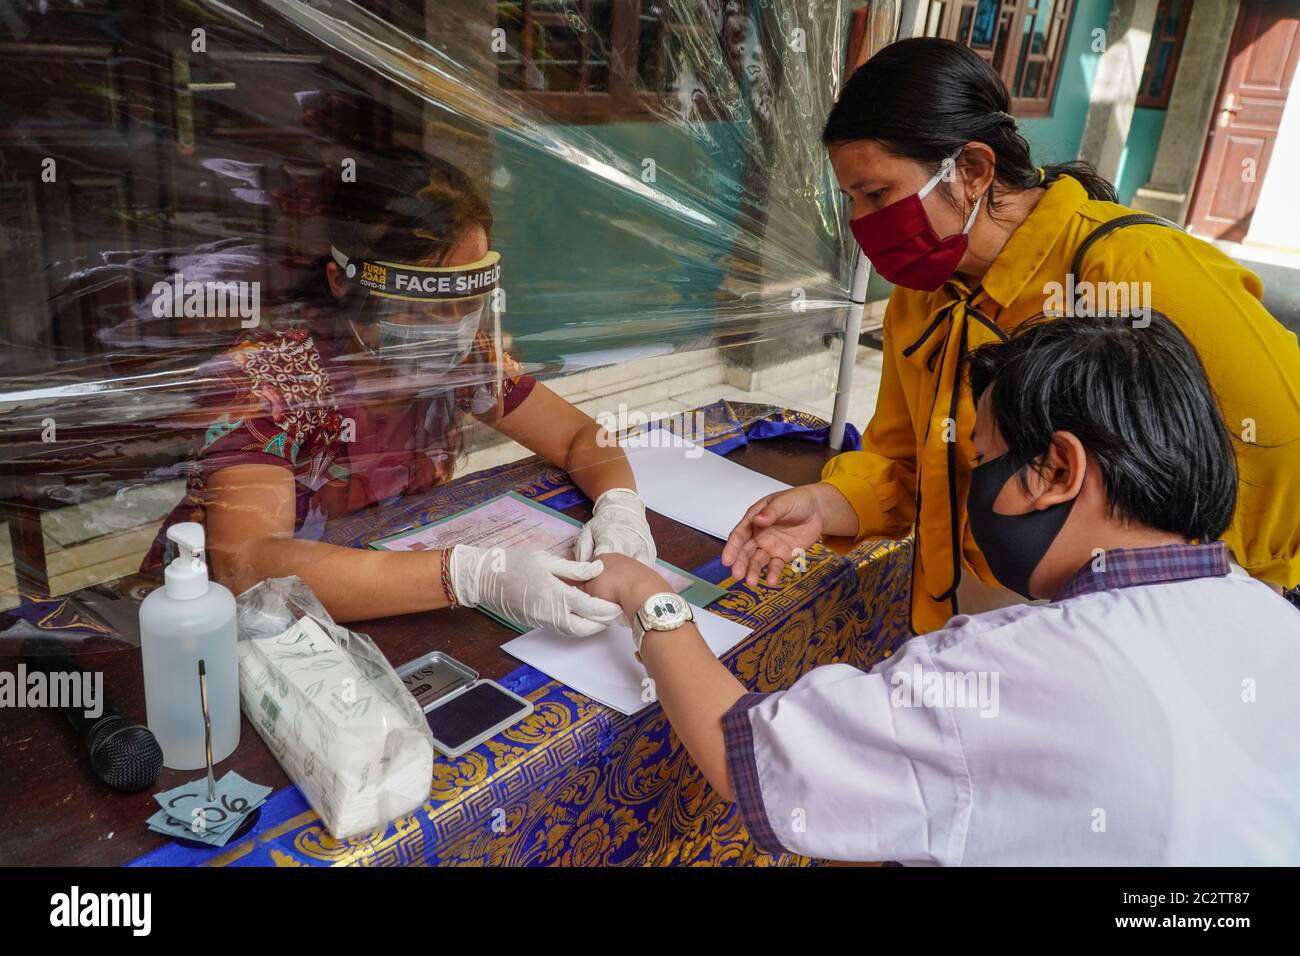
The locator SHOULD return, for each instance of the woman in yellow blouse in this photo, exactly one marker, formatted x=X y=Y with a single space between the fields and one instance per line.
x=948 y=205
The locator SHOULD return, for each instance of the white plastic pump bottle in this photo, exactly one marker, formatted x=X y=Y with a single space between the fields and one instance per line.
x=187 y=620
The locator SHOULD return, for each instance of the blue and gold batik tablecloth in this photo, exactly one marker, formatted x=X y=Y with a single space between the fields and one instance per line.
x=577 y=783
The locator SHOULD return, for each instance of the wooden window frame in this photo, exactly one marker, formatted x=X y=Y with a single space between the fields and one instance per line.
x=621 y=101
x=945 y=20
x=1160 y=99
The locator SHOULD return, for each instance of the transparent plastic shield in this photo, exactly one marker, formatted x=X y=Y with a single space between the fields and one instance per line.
x=177 y=179
x=81 y=623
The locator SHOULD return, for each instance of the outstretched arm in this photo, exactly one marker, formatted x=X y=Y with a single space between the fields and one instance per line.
x=569 y=438
x=691 y=683
x=250 y=525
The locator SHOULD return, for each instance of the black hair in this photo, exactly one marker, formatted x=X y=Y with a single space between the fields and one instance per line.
x=1139 y=401
x=402 y=206
x=926 y=97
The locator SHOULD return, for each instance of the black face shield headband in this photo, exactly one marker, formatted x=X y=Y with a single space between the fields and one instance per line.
x=397 y=280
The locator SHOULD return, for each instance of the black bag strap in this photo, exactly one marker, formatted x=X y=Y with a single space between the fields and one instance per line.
x=1106 y=228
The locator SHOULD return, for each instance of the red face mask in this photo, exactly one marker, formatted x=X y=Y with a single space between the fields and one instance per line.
x=902 y=245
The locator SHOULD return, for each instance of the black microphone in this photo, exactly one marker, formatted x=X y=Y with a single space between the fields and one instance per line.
x=123 y=754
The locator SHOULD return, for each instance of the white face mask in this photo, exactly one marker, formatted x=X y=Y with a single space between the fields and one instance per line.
x=427 y=346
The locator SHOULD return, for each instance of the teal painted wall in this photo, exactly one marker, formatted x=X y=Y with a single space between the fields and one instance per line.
x=1139 y=154
x=590 y=265
x=587 y=265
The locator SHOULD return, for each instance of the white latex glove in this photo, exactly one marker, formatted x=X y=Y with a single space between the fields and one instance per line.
x=617 y=526
x=526 y=587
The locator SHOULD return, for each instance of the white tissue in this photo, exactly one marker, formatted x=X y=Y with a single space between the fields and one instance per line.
x=355 y=756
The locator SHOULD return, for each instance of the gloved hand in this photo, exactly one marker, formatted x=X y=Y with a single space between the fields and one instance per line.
x=617 y=526
x=526 y=587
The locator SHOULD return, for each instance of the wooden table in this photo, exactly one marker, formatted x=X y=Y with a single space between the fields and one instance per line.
x=55 y=811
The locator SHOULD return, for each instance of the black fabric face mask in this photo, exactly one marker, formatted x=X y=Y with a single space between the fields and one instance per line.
x=1013 y=545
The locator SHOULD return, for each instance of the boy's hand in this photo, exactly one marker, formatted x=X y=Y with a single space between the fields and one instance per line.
x=626 y=582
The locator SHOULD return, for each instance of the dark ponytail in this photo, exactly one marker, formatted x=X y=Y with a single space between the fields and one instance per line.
x=925 y=98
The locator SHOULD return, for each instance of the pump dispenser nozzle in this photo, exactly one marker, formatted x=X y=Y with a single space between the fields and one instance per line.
x=187 y=576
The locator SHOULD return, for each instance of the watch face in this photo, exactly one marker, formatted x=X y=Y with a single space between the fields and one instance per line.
x=665 y=611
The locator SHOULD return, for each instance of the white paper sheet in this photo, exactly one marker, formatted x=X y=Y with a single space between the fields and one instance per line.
x=692 y=485
x=604 y=666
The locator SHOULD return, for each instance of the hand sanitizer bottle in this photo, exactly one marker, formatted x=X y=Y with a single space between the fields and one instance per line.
x=187 y=620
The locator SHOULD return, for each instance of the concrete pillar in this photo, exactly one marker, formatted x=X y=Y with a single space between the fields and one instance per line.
x=1191 y=107
x=1128 y=36
x=791 y=256
x=913 y=17
x=463 y=30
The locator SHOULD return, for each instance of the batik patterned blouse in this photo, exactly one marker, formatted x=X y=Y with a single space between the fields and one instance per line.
x=285 y=399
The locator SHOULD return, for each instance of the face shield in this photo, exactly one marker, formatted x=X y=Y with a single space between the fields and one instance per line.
x=429 y=322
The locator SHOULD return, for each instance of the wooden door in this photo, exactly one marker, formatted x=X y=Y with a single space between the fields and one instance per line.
x=1256 y=78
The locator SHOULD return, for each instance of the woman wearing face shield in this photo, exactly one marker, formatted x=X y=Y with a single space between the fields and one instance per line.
x=948 y=205
x=368 y=401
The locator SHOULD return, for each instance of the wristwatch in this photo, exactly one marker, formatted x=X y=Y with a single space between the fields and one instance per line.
x=665 y=611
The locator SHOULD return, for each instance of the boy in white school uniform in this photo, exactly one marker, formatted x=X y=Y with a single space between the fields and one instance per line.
x=1148 y=713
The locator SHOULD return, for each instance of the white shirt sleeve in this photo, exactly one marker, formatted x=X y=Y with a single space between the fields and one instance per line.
x=842 y=767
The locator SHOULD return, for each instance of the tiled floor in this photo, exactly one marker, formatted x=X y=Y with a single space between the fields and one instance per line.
x=106 y=538
x=1279 y=270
